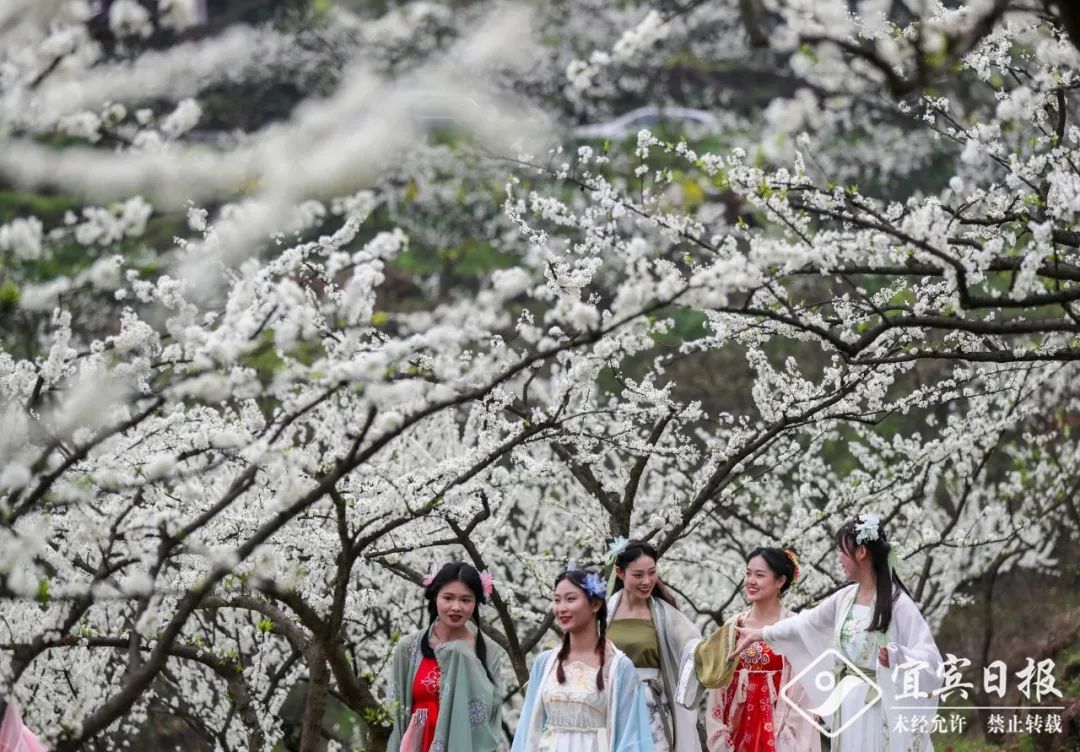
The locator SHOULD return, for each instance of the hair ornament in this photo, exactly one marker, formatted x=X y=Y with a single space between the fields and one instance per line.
x=894 y=561
x=867 y=528
x=430 y=576
x=618 y=545
x=794 y=562
x=487 y=581
x=594 y=586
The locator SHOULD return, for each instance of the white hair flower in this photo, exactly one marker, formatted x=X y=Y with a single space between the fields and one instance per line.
x=867 y=528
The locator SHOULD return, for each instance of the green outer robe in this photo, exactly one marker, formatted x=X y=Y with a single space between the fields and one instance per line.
x=470 y=704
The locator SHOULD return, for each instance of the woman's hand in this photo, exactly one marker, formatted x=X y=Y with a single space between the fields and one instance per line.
x=883 y=656
x=744 y=638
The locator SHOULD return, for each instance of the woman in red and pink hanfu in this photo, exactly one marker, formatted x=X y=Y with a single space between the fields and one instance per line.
x=745 y=712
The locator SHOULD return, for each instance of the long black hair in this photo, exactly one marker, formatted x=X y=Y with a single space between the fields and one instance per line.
x=779 y=563
x=634 y=551
x=468 y=576
x=578 y=577
x=888 y=582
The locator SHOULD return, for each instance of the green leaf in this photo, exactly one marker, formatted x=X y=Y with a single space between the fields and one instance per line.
x=9 y=293
x=43 y=592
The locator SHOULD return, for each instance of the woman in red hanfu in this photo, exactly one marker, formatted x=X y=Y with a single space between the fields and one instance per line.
x=745 y=711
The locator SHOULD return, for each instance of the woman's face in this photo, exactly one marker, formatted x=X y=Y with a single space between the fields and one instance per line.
x=853 y=563
x=639 y=577
x=760 y=583
x=455 y=604
x=573 y=610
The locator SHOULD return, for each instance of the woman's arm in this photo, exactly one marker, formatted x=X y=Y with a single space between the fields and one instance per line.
x=819 y=619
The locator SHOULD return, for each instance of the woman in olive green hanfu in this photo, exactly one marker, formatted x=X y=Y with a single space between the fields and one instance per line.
x=644 y=623
x=445 y=691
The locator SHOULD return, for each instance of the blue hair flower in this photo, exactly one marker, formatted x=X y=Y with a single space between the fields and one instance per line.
x=594 y=586
x=618 y=545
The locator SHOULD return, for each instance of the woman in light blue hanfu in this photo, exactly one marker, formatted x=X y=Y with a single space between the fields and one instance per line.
x=585 y=696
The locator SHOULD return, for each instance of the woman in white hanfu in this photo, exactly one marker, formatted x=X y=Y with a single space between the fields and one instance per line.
x=876 y=626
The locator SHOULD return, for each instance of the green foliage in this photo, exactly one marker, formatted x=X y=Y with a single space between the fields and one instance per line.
x=43 y=594
x=49 y=209
x=9 y=293
x=687 y=325
x=474 y=259
x=267 y=361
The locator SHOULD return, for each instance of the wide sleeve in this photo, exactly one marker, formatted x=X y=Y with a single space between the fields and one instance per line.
x=807 y=636
x=466 y=700
x=631 y=723
x=683 y=692
x=717 y=732
x=914 y=673
x=913 y=647
x=712 y=667
x=497 y=662
x=815 y=623
x=14 y=734
x=794 y=733
x=532 y=710
x=398 y=692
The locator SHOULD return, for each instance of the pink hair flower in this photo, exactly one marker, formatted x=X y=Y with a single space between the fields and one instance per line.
x=487 y=581
x=430 y=576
